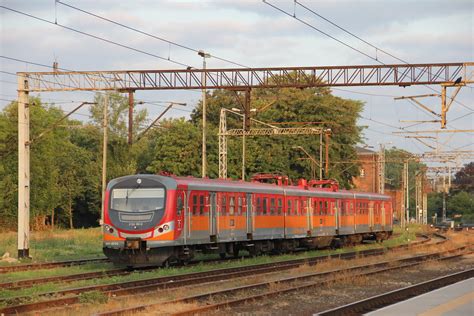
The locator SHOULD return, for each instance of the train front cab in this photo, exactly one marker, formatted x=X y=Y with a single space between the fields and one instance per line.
x=139 y=224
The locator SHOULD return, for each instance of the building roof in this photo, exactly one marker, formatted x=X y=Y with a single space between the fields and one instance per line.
x=364 y=151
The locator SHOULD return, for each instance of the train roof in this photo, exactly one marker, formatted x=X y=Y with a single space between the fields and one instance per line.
x=222 y=185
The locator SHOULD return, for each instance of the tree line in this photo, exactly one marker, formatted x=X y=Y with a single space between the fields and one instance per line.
x=66 y=162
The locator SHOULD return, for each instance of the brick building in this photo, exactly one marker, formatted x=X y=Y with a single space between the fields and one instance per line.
x=368 y=180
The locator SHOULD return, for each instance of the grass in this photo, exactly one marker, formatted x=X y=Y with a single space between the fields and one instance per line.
x=56 y=245
x=33 y=291
x=81 y=243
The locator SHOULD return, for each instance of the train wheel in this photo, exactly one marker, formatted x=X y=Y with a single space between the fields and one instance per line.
x=235 y=252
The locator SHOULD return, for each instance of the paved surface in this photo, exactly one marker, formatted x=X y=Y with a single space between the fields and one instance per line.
x=453 y=300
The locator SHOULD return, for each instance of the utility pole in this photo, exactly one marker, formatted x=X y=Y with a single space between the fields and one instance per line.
x=105 y=126
x=203 y=82
x=243 y=147
x=408 y=190
x=130 y=117
x=418 y=198
x=321 y=156
x=23 y=168
x=326 y=168
x=425 y=208
x=381 y=188
x=444 y=198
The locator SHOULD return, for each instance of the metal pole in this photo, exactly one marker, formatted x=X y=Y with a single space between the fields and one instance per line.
x=204 y=157
x=408 y=192
x=381 y=188
x=104 y=155
x=321 y=156
x=425 y=208
x=243 y=148
x=130 y=117
x=326 y=168
x=222 y=145
x=23 y=168
x=444 y=198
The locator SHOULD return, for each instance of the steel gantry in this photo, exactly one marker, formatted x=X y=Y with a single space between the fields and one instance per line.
x=237 y=79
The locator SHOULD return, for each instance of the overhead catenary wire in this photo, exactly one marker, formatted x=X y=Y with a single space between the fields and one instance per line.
x=160 y=38
x=344 y=43
x=96 y=37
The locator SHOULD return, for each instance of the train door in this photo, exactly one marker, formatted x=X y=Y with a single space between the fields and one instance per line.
x=187 y=216
x=213 y=215
x=250 y=214
x=337 y=208
x=371 y=215
x=309 y=214
x=180 y=214
x=382 y=204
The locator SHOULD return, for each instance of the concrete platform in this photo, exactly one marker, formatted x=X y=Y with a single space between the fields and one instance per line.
x=453 y=300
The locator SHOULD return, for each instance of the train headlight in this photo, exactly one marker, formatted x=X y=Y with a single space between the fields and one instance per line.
x=166 y=227
x=160 y=230
x=111 y=230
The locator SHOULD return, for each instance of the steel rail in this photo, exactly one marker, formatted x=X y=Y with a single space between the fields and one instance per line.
x=338 y=275
x=389 y=298
x=15 y=285
x=49 y=265
x=131 y=287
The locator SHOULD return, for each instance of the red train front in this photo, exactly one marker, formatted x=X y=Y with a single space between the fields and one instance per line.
x=154 y=220
x=140 y=224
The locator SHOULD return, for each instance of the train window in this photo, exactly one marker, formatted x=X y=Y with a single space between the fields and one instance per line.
x=280 y=206
x=194 y=208
x=326 y=207
x=272 y=206
x=239 y=205
x=289 y=207
x=259 y=206
x=231 y=205
x=223 y=205
x=201 y=204
x=264 y=206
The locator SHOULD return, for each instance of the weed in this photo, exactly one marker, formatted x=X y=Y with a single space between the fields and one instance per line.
x=93 y=297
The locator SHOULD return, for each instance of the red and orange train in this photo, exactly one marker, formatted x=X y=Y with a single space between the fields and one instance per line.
x=155 y=219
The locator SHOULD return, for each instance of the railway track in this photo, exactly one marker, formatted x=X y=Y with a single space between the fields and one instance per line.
x=56 y=264
x=396 y=296
x=73 y=296
x=16 y=285
x=262 y=290
x=49 y=265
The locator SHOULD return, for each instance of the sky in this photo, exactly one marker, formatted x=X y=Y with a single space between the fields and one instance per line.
x=253 y=34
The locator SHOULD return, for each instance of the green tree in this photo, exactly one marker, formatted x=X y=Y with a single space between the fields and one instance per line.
x=464 y=178
x=276 y=153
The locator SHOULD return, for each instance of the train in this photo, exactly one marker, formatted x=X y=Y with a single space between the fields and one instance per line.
x=165 y=219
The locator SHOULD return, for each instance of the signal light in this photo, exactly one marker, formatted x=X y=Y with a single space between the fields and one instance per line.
x=160 y=230
x=111 y=230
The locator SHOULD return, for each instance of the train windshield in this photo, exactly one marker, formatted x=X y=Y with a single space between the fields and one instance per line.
x=138 y=199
